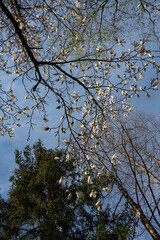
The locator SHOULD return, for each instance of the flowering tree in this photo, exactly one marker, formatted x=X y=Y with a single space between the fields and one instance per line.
x=74 y=52
x=80 y=53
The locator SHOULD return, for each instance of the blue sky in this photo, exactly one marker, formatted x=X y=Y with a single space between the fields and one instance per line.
x=7 y=147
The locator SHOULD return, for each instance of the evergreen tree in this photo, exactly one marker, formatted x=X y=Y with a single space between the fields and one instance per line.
x=49 y=199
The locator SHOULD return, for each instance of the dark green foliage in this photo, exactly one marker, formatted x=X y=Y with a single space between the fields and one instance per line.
x=38 y=206
x=118 y=228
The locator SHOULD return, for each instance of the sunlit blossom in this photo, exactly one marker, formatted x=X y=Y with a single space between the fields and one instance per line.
x=93 y=193
x=74 y=95
x=155 y=88
x=63 y=180
x=99 y=48
x=27 y=96
x=68 y=157
x=106 y=189
x=99 y=208
x=90 y=180
x=114 y=156
x=66 y=142
x=98 y=203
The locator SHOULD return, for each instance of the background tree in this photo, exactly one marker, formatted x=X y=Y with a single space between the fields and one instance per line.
x=49 y=199
x=129 y=150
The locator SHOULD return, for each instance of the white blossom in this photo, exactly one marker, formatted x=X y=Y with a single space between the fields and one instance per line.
x=155 y=88
x=68 y=157
x=126 y=82
x=10 y=129
x=69 y=196
x=106 y=189
x=62 y=180
x=98 y=203
x=116 y=164
x=1 y=118
x=93 y=193
x=99 y=48
x=114 y=156
x=99 y=208
x=27 y=96
x=99 y=174
x=66 y=142
x=93 y=166
x=86 y=173
x=79 y=194
x=74 y=95
x=90 y=180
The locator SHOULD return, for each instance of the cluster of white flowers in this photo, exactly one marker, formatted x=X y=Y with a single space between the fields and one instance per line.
x=93 y=193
